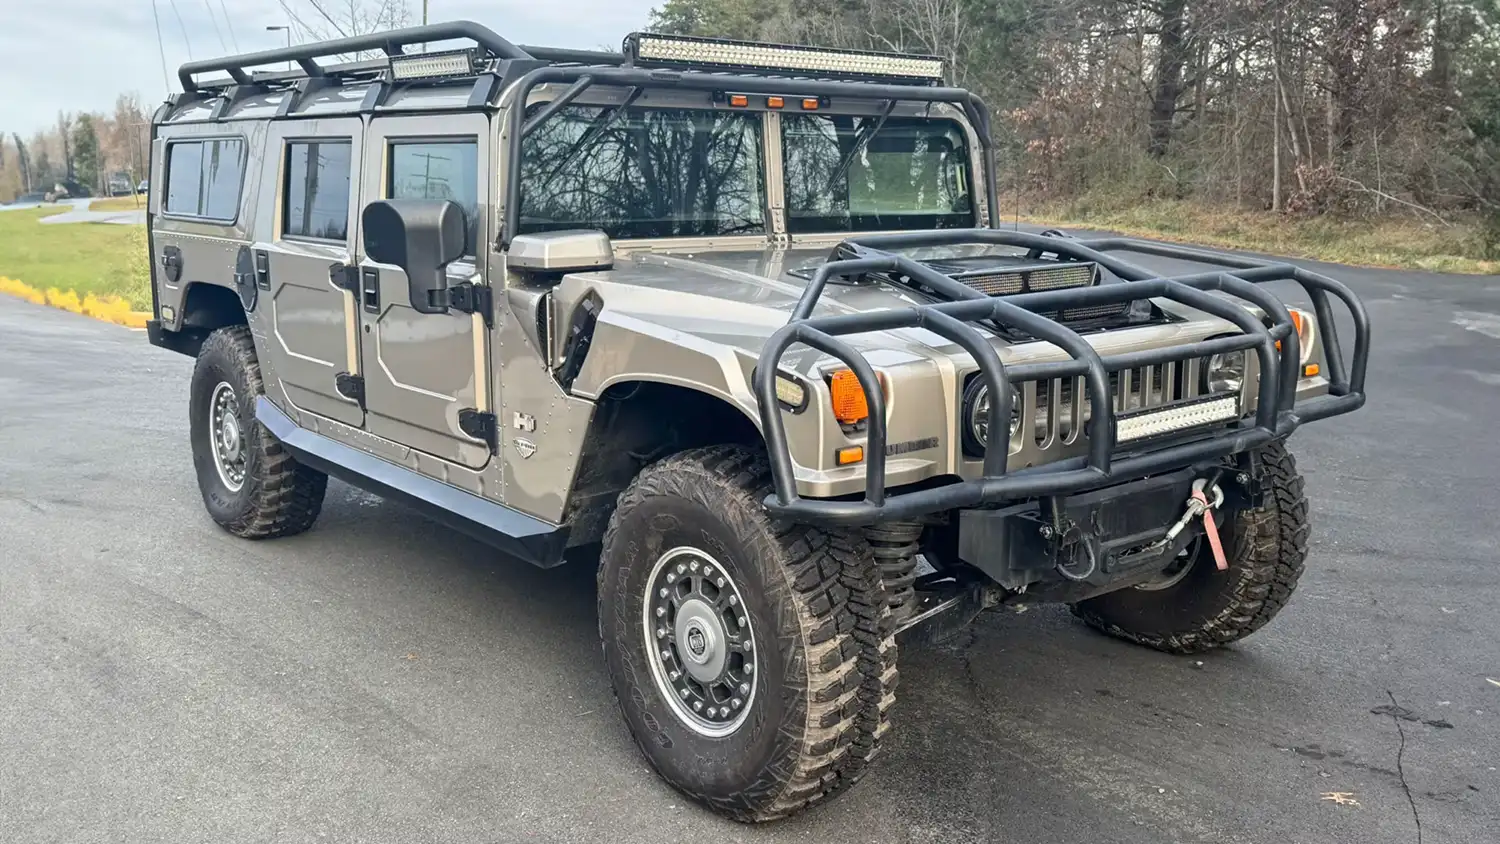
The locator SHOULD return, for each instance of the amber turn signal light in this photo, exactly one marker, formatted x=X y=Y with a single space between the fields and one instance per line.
x=850 y=455
x=849 y=404
x=739 y=100
x=775 y=102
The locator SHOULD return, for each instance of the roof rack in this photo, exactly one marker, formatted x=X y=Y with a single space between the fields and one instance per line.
x=391 y=43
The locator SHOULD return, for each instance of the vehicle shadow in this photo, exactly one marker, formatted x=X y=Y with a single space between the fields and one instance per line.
x=1026 y=726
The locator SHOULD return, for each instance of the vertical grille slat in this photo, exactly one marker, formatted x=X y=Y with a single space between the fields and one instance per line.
x=1169 y=387
x=1122 y=393
x=1149 y=395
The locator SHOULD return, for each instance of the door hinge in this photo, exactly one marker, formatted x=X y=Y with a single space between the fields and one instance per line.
x=351 y=387
x=471 y=298
x=481 y=426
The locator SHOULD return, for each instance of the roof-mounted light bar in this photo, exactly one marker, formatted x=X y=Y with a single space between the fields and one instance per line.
x=432 y=65
x=714 y=53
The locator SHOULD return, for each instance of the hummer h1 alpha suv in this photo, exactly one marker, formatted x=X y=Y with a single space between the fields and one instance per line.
x=738 y=321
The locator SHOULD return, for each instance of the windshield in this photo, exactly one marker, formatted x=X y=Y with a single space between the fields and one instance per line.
x=639 y=172
x=864 y=174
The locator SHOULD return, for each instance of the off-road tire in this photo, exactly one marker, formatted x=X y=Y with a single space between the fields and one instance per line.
x=826 y=670
x=279 y=496
x=1266 y=548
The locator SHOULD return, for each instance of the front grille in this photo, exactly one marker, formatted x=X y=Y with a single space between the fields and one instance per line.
x=1060 y=409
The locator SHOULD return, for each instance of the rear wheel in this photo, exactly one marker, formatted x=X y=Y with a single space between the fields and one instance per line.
x=747 y=654
x=1195 y=607
x=251 y=486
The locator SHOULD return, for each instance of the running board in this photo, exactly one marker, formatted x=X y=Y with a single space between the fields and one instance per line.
x=531 y=539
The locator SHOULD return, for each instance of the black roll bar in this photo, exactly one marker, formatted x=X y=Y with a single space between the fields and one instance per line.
x=582 y=77
x=1276 y=414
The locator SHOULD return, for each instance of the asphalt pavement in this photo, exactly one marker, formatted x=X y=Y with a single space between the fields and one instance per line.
x=378 y=679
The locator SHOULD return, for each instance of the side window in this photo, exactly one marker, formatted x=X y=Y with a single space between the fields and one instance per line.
x=204 y=178
x=438 y=170
x=316 y=194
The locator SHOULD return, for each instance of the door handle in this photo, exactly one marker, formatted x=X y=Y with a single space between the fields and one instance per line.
x=262 y=269
x=369 y=289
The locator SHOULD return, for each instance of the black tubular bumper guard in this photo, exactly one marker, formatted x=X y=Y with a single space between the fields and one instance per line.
x=1276 y=416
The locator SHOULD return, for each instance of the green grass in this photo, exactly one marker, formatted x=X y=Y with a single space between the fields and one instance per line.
x=119 y=203
x=100 y=258
x=1401 y=242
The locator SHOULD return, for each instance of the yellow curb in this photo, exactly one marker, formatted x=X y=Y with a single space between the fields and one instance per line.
x=107 y=308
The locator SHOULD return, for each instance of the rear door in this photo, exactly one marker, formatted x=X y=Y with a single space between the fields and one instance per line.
x=313 y=344
x=426 y=373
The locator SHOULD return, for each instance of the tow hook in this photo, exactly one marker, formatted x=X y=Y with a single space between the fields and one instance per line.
x=1200 y=505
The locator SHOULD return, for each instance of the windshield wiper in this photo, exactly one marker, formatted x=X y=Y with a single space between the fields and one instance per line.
x=601 y=122
x=860 y=142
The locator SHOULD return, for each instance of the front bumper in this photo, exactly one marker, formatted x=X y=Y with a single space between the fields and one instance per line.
x=1109 y=461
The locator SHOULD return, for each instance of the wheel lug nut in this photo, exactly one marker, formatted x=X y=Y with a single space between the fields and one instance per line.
x=744 y=690
x=674 y=675
x=666 y=654
x=734 y=600
x=712 y=712
x=697 y=706
x=663 y=592
x=682 y=693
x=736 y=703
x=682 y=568
x=719 y=583
x=693 y=565
x=661 y=611
x=671 y=578
x=749 y=668
x=661 y=632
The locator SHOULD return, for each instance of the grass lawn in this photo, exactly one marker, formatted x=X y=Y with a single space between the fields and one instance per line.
x=99 y=258
x=1402 y=243
x=119 y=203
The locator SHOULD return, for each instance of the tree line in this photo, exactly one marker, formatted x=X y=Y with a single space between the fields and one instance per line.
x=1298 y=106
x=84 y=149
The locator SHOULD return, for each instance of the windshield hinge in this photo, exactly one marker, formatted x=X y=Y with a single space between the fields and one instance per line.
x=473 y=298
x=480 y=425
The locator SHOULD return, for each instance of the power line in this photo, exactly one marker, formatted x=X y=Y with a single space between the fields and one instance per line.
x=183 y=27
x=215 y=21
x=229 y=25
x=166 y=80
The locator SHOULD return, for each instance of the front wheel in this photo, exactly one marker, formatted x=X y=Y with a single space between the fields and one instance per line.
x=1197 y=607
x=746 y=654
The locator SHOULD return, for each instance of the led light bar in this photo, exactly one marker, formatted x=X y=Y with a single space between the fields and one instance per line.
x=750 y=55
x=432 y=65
x=1139 y=426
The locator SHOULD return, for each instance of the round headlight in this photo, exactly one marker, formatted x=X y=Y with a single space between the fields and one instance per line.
x=1225 y=373
x=977 y=415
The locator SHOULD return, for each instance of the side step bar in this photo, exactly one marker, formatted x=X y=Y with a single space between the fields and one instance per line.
x=515 y=533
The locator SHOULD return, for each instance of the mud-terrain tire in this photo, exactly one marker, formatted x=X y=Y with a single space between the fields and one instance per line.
x=821 y=672
x=275 y=495
x=1266 y=548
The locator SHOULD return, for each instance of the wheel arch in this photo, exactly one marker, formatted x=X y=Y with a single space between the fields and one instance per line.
x=206 y=307
x=637 y=421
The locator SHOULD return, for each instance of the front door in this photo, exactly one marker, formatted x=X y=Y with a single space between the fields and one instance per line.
x=314 y=226
x=425 y=372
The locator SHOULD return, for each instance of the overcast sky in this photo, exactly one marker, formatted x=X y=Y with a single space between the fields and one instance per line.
x=77 y=55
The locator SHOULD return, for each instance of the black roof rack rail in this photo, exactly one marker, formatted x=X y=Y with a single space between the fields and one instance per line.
x=305 y=55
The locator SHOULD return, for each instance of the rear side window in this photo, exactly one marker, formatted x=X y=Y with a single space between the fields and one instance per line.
x=204 y=178
x=316 y=195
x=439 y=170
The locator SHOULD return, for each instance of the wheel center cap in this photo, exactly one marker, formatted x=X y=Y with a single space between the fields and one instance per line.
x=700 y=640
x=231 y=434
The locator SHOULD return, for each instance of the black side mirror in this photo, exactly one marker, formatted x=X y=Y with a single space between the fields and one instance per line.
x=422 y=237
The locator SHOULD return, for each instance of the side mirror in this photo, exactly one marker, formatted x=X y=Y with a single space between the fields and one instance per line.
x=422 y=237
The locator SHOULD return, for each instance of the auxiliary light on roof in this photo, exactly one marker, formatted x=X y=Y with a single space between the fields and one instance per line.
x=749 y=55
x=432 y=65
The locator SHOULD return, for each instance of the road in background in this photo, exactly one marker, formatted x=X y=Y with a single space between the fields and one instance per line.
x=379 y=679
